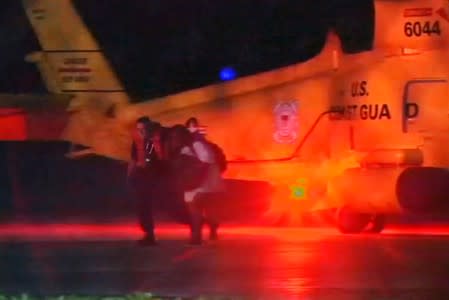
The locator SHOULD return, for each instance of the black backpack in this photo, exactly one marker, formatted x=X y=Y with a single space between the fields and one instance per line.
x=219 y=155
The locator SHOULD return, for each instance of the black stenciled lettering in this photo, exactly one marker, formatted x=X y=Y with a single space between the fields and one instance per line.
x=75 y=61
x=408 y=31
x=353 y=111
x=78 y=79
x=343 y=112
x=82 y=79
x=67 y=79
x=417 y=29
x=426 y=28
x=436 y=28
x=364 y=112
x=384 y=112
x=349 y=112
x=338 y=112
x=363 y=91
x=422 y=28
x=359 y=88
x=373 y=112
x=411 y=110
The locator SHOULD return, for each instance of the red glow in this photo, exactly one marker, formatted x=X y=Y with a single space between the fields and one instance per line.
x=317 y=177
x=12 y=124
x=418 y=12
x=129 y=231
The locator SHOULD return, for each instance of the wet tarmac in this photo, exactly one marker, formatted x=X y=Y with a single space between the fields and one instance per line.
x=250 y=262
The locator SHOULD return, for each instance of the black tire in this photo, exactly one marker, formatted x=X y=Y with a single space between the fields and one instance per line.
x=377 y=224
x=349 y=221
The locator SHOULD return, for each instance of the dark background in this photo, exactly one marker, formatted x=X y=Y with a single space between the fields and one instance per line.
x=164 y=46
x=157 y=47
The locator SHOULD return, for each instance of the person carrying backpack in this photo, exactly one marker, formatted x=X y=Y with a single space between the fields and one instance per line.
x=199 y=134
x=198 y=175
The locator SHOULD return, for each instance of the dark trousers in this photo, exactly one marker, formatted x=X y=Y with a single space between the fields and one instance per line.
x=144 y=188
x=196 y=221
x=170 y=199
x=200 y=214
x=157 y=190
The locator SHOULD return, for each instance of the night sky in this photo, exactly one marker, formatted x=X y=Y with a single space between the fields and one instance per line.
x=165 y=46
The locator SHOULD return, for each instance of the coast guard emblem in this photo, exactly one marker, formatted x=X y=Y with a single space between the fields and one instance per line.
x=286 y=122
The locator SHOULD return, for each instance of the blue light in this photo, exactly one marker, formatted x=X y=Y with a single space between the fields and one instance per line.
x=227 y=73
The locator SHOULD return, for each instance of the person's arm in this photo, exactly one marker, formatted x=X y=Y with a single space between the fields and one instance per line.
x=202 y=152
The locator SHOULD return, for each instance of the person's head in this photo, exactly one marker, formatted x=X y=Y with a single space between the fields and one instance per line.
x=143 y=126
x=192 y=124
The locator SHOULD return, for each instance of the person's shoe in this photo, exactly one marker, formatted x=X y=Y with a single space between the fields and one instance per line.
x=213 y=232
x=147 y=240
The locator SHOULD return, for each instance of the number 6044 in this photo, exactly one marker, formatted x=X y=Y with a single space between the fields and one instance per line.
x=422 y=28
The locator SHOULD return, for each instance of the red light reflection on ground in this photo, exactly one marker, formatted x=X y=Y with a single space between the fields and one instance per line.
x=81 y=231
x=127 y=231
x=419 y=229
x=131 y=231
